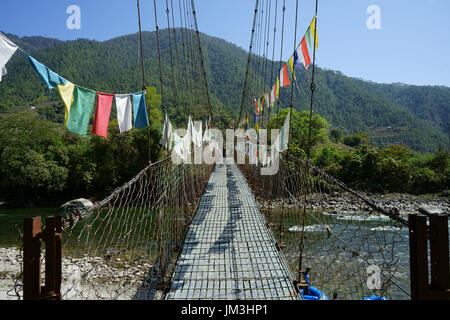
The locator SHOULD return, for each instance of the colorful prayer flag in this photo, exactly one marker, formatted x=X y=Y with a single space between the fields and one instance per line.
x=66 y=94
x=267 y=99
x=313 y=30
x=284 y=78
x=308 y=36
x=140 y=110
x=291 y=66
x=123 y=104
x=50 y=78
x=272 y=97
x=303 y=53
x=277 y=94
x=80 y=110
x=102 y=114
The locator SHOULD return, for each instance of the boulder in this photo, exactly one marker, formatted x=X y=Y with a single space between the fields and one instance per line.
x=77 y=204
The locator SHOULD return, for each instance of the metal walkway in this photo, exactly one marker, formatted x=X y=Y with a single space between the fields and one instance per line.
x=229 y=253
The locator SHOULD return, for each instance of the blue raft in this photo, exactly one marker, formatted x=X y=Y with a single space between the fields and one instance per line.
x=312 y=293
x=375 y=297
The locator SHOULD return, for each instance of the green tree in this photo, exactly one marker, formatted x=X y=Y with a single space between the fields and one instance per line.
x=299 y=130
x=33 y=157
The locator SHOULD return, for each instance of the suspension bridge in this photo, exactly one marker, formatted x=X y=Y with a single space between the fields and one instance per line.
x=223 y=230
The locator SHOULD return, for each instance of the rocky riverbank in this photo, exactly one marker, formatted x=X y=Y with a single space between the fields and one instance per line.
x=104 y=280
x=336 y=202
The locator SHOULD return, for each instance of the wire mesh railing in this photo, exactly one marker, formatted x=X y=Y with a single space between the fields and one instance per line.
x=126 y=246
x=352 y=247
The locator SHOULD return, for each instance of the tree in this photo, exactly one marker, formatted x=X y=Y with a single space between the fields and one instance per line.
x=299 y=130
x=33 y=157
x=336 y=135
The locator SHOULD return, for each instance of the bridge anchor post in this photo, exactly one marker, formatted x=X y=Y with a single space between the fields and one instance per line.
x=436 y=235
x=32 y=238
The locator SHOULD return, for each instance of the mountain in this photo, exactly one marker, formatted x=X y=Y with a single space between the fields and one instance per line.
x=416 y=116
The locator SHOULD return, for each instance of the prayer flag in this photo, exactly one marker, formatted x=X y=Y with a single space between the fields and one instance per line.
x=123 y=104
x=308 y=36
x=303 y=53
x=267 y=98
x=277 y=93
x=313 y=30
x=285 y=133
x=80 y=110
x=167 y=134
x=140 y=110
x=291 y=66
x=50 y=78
x=284 y=78
x=66 y=94
x=7 y=49
x=272 y=97
x=102 y=114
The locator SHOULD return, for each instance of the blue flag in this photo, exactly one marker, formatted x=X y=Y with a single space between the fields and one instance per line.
x=50 y=78
x=140 y=110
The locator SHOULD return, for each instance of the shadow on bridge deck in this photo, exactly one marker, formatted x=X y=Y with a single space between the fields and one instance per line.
x=229 y=253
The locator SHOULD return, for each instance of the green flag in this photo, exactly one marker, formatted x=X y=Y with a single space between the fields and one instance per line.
x=308 y=36
x=80 y=110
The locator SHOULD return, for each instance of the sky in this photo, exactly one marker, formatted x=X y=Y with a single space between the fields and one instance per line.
x=411 y=44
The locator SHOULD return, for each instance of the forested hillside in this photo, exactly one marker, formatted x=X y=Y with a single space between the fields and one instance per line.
x=390 y=113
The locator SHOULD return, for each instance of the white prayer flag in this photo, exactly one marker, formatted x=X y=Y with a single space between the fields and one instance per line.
x=3 y=73
x=7 y=49
x=167 y=134
x=285 y=133
x=124 y=111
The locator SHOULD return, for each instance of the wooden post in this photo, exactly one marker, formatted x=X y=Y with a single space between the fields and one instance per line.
x=437 y=234
x=52 y=236
x=31 y=258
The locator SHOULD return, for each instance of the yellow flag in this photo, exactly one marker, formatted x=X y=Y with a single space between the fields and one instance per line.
x=256 y=127
x=291 y=65
x=278 y=87
x=315 y=36
x=66 y=93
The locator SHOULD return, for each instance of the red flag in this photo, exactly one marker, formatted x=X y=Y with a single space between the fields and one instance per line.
x=305 y=53
x=284 y=78
x=102 y=114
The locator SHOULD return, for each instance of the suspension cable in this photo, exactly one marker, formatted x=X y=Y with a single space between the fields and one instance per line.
x=312 y=82
x=144 y=85
x=273 y=52
x=293 y=74
x=281 y=57
x=201 y=60
x=185 y=63
x=177 y=59
x=248 y=63
x=171 y=58
x=159 y=59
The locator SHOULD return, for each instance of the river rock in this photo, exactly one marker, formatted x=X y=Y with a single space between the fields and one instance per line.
x=433 y=210
x=78 y=204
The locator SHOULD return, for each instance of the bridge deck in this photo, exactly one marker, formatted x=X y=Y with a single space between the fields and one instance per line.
x=229 y=253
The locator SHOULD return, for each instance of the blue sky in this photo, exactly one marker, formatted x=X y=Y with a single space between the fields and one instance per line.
x=412 y=46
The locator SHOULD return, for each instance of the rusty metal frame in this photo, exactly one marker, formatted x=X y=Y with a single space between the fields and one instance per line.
x=430 y=280
x=32 y=238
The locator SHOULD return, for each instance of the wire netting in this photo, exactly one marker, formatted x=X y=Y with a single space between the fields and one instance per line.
x=126 y=246
x=352 y=247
